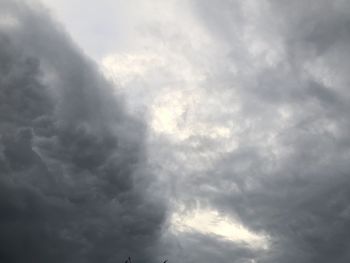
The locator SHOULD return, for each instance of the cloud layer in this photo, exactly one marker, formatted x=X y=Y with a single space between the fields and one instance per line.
x=288 y=176
x=74 y=187
x=244 y=134
x=250 y=111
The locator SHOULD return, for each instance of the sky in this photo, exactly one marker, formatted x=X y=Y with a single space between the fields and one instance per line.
x=181 y=130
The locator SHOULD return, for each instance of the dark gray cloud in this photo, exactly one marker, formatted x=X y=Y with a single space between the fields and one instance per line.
x=259 y=133
x=282 y=68
x=288 y=178
x=74 y=186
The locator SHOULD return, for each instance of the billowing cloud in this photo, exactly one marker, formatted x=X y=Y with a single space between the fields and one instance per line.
x=250 y=114
x=74 y=186
x=288 y=176
x=244 y=133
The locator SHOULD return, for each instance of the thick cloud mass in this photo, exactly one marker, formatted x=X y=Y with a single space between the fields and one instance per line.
x=289 y=174
x=247 y=106
x=73 y=187
x=260 y=93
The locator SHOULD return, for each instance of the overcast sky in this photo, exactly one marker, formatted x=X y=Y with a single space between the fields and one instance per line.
x=196 y=131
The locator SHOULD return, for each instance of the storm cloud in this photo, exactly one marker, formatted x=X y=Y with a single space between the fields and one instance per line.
x=288 y=175
x=73 y=184
x=223 y=135
x=252 y=126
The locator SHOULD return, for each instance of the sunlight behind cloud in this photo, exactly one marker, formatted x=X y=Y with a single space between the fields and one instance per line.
x=211 y=222
x=8 y=21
